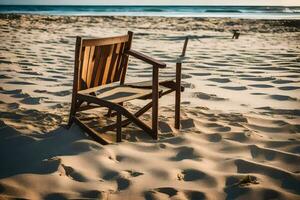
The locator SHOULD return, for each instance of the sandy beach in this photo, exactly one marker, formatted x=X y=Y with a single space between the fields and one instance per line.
x=240 y=128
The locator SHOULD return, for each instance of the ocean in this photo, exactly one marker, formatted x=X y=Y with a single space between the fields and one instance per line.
x=257 y=12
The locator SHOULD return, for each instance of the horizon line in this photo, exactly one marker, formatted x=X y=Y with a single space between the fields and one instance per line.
x=189 y=5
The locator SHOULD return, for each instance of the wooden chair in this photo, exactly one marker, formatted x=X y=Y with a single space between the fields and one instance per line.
x=99 y=81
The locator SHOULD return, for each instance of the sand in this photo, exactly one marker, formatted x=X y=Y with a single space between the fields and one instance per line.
x=240 y=112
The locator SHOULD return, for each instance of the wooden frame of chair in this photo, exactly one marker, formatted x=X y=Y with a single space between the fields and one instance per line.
x=100 y=66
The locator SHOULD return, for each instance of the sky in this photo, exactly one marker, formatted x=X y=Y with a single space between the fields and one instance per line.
x=153 y=2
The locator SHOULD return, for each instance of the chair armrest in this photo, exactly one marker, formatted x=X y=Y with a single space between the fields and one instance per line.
x=182 y=57
x=145 y=58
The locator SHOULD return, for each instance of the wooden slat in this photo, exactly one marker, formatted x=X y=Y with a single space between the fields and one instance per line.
x=96 y=66
x=113 y=63
x=119 y=47
x=90 y=66
x=115 y=76
x=84 y=66
x=99 y=68
x=105 y=41
x=106 y=70
x=107 y=65
x=123 y=69
x=120 y=64
x=105 y=50
x=102 y=61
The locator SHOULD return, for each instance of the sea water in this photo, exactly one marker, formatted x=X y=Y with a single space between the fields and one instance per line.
x=257 y=12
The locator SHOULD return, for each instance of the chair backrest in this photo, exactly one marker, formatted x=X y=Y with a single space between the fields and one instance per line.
x=100 y=61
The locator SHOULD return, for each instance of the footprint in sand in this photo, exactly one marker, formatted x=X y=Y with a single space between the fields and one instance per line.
x=282 y=97
x=94 y=194
x=164 y=127
x=187 y=123
x=59 y=93
x=261 y=85
x=200 y=74
x=258 y=78
x=173 y=193
x=32 y=100
x=290 y=181
x=192 y=175
x=204 y=96
x=5 y=62
x=234 y=185
x=258 y=93
x=280 y=81
x=2 y=76
x=20 y=83
x=289 y=112
x=219 y=80
x=215 y=137
x=289 y=88
x=122 y=178
x=186 y=153
x=134 y=173
x=21 y=95
x=236 y=88
x=167 y=190
x=31 y=73
x=56 y=164
x=238 y=136
x=195 y=195
x=18 y=91
x=71 y=172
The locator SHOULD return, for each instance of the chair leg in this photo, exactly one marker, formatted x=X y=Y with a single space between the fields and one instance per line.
x=119 y=127
x=155 y=96
x=177 y=95
x=70 y=122
x=109 y=113
x=72 y=113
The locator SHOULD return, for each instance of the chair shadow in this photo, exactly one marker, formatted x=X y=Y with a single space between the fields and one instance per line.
x=38 y=153
x=21 y=153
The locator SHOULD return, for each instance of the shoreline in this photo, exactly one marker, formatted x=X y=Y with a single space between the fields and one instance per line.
x=195 y=23
x=293 y=18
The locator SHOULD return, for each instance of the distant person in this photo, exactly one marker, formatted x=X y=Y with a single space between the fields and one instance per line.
x=236 y=34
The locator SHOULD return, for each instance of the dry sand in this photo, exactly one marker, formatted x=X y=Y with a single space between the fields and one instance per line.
x=240 y=135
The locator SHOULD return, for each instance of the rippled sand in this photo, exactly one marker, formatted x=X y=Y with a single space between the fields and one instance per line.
x=240 y=112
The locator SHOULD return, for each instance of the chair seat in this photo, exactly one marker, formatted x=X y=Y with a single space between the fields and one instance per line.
x=165 y=85
x=121 y=93
x=117 y=94
x=148 y=84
